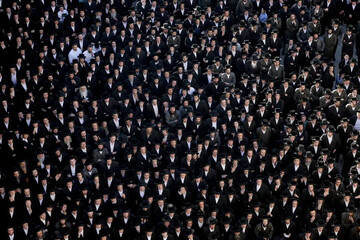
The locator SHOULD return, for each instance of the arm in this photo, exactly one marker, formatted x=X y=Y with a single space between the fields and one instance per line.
x=232 y=79
x=271 y=233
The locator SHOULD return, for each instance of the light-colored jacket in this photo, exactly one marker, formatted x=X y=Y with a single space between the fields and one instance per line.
x=229 y=80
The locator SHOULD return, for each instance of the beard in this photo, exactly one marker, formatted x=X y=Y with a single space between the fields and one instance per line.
x=83 y=94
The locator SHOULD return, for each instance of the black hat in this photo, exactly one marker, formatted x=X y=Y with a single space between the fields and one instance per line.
x=301 y=148
x=292 y=183
x=265 y=122
x=214 y=114
x=171 y=208
x=338 y=176
x=320 y=164
x=272 y=199
x=188 y=232
x=351 y=208
x=148 y=228
x=243 y=221
x=326 y=184
x=56 y=235
x=136 y=221
x=321 y=223
x=65 y=231
x=331 y=128
x=330 y=160
x=344 y=119
x=225 y=220
x=217 y=190
x=255 y=203
x=213 y=235
x=211 y=221
x=336 y=223
x=236 y=228
x=177 y=224
x=163 y=229
x=309 y=154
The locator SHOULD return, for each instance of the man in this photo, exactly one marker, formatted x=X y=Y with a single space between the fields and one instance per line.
x=154 y=109
x=330 y=40
x=261 y=190
x=74 y=53
x=11 y=234
x=81 y=232
x=264 y=133
x=348 y=42
x=320 y=232
x=288 y=228
x=275 y=44
x=276 y=71
x=265 y=229
x=331 y=140
x=228 y=77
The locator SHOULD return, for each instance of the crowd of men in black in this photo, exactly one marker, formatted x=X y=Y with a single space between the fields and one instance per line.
x=179 y=120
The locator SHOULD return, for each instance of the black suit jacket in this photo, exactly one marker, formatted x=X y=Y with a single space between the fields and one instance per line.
x=334 y=145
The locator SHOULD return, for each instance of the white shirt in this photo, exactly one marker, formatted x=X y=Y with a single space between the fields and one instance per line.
x=330 y=139
x=24 y=86
x=13 y=78
x=270 y=209
x=109 y=181
x=156 y=110
x=88 y=56
x=74 y=54
x=52 y=196
x=357 y=124
x=73 y=170
x=117 y=123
